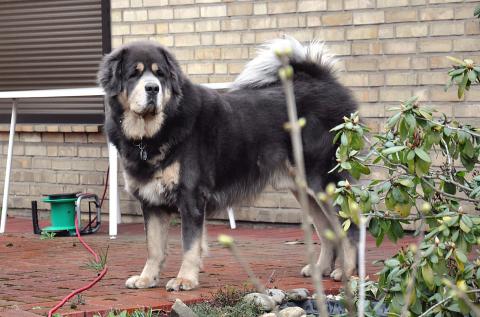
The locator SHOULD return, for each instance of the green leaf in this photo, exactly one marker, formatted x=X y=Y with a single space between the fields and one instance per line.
x=462 y=86
x=393 y=149
x=393 y=120
x=427 y=274
x=472 y=75
x=422 y=155
x=455 y=72
x=392 y=263
x=405 y=182
x=461 y=256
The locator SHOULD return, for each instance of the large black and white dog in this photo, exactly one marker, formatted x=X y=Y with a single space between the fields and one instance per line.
x=192 y=150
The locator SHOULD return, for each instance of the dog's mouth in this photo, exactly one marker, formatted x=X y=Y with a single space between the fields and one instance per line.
x=149 y=110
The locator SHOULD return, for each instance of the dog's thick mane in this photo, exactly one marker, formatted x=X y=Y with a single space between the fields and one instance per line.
x=263 y=69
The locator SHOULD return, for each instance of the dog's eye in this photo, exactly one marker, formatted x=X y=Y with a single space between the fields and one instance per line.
x=134 y=73
x=160 y=74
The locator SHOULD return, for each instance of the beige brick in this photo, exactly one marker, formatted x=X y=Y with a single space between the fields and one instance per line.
x=89 y=151
x=234 y=53
x=263 y=23
x=467 y=44
x=91 y=179
x=115 y=4
x=30 y=137
x=312 y=5
x=213 y=11
x=155 y=3
x=391 y=3
x=76 y=137
x=439 y=94
x=365 y=94
x=187 y=40
x=186 y=13
x=436 y=14
x=19 y=162
x=227 y=38
x=439 y=62
x=412 y=30
x=207 y=26
x=400 y=15
x=221 y=68
x=67 y=178
x=334 y=5
x=364 y=32
x=360 y=48
x=184 y=54
x=436 y=46
x=385 y=32
x=116 y=16
x=53 y=137
x=101 y=165
x=433 y=78
x=444 y=1
x=166 y=40
x=35 y=149
x=394 y=62
x=136 y=3
x=181 y=27
x=234 y=24
x=464 y=11
x=84 y=165
x=419 y=63
x=120 y=29
x=288 y=21
x=358 y=4
x=20 y=189
x=330 y=34
x=340 y=49
x=360 y=64
x=368 y=17
x=143 y=28
x=248 y=38
x=206 y=39
x=135 y=15
x=235 y=68
x=162 y=28
x=354 y=79
x=181 y=2
x=281 y=7
x=160 y=14
x=399 y=47
x=239 y=8
x=394 y=94
x=117 y=41
x=447 y=28
x=52 y=150
x=401 y=79
x=304 y=35
x=467 y=111
x=41 y=163
x=260 y=8
x=208 y=53
x=472 y=27
x=376 y=79
x=337 y=19
x=314 y=20
x=61 y=164
x=96 y=138
x=200 y=68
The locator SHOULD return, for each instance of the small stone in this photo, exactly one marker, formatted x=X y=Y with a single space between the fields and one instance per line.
x=292 y=312
x=265 y=302
x=276 y=294
x=298 y=294
x=179 y=309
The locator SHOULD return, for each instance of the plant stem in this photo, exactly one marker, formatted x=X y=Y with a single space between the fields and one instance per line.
x=361 y=265
x=256 y=282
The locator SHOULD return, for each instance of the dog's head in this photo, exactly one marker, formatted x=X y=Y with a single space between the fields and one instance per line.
x=144 y=78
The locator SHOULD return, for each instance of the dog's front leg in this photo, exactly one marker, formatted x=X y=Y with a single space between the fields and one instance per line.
x=156 y=225
x=192 y=228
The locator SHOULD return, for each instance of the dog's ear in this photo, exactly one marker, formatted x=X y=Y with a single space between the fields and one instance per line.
x=174 y=72
x=111 y=72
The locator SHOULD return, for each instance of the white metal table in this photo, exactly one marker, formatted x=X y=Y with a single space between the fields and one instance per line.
x=114 y=207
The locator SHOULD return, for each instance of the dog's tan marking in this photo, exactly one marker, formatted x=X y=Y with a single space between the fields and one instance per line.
x=170 y=175
x=123 y=99
x=140 y=67
x=137 y=127
x=157 y=237
x=187 y=277
x=154 y=67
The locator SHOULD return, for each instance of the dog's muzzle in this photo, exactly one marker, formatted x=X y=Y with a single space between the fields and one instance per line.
x=152 y=90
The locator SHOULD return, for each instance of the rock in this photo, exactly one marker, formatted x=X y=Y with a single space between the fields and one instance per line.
x=268 y=315
x=298 y=294
x=265 y=302
x=179 y=309
x=292 y=312
x=276 y=294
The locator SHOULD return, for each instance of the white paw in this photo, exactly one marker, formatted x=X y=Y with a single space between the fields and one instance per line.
x=307 y=271
x=181 y=284
x=137 y=281
x=337 y=274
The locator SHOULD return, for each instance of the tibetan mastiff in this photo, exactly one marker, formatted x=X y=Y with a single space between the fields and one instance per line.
x=192 y=150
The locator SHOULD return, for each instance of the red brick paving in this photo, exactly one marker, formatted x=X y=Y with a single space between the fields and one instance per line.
x=35 y=274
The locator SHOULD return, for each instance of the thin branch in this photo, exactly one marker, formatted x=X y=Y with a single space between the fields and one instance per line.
x=450 y=195
x=446 y=299
x=361 y=264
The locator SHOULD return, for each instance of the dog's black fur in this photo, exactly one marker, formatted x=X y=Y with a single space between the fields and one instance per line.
x=230 y=145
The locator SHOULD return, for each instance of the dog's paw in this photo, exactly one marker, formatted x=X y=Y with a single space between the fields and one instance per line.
x=181 y=284
x=137 y=281
x=307 y=271
x=337 y=274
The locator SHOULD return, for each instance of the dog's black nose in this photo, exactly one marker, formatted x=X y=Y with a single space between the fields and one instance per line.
x=152 y=88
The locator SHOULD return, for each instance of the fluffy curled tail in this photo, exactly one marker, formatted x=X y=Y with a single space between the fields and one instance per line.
x=263 y=69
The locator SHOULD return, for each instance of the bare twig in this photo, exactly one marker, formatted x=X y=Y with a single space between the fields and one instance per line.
x=446 y=299
x=361 y=265
x=300 y=177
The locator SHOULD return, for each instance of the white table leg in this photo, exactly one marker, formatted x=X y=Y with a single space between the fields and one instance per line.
x=6 y=185
x=113 y=202
x=231 y=218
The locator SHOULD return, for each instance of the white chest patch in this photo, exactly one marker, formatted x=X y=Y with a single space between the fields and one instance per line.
x=157 y=190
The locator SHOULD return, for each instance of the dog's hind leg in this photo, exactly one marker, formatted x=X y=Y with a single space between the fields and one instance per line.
x=326 y=260
x=156 y=225
x=192 y=232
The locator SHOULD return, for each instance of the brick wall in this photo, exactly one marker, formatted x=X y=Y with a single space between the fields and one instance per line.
x=388 y=49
